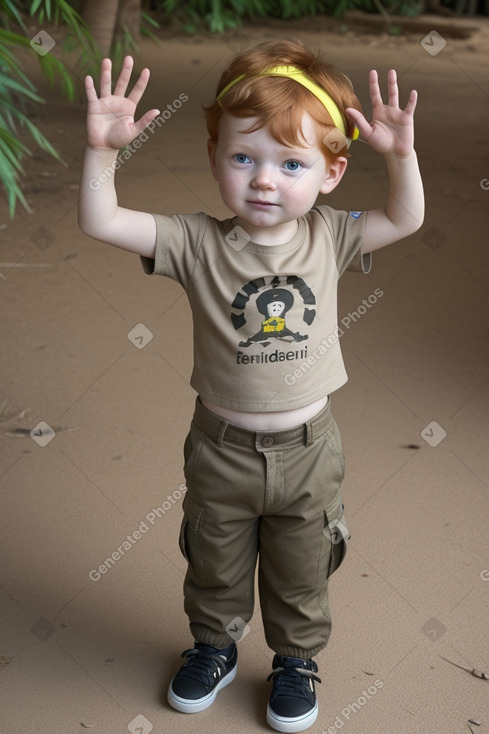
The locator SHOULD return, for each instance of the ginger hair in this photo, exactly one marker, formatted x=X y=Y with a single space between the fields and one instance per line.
x=280 y=102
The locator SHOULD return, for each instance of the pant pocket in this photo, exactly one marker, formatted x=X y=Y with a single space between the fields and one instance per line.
x=191 y=450
x=189 y=540
x=335 y=535
x=334 y=442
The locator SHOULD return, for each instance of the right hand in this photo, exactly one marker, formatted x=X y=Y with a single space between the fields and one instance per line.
x=110 y=117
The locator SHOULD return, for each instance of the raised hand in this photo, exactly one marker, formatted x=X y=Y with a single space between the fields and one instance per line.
x=110 y=117
x=391 y=131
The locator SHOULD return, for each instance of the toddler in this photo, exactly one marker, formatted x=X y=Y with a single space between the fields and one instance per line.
x=263 y=457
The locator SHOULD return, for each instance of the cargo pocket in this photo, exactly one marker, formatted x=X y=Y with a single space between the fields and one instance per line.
x=335 y=534
x=334 y=442
x=191 y=450
x=190 y=541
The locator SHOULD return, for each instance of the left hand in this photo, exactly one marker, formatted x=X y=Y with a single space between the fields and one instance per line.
x=391 y=131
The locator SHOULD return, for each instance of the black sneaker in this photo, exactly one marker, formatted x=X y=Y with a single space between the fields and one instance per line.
x=292 y=706
x=206 y=671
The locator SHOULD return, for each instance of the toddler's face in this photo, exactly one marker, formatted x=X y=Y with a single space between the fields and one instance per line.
x=265 y=183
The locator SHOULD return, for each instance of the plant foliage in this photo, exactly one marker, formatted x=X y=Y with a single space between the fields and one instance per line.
x=222 y=15
x=17 y=92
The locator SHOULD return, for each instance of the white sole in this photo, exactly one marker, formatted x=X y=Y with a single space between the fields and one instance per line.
x=188 y=706
x=290 y=725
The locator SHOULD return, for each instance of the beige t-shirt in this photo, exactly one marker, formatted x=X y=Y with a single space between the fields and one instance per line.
x=264 y=317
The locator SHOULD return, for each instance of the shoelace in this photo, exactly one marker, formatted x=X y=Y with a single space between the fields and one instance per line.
x=293 y=682
x=203 y=666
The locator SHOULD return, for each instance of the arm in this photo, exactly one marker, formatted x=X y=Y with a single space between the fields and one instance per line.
x=110 y=126
x=392 y=134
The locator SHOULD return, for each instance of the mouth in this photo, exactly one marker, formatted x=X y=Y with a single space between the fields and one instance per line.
x=261 y=203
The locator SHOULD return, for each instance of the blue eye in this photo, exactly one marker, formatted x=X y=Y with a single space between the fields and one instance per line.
x=293 y=165
x=242 y=158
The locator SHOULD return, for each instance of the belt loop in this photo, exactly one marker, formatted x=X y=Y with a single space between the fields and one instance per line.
x=309 y=433
x=222 y=431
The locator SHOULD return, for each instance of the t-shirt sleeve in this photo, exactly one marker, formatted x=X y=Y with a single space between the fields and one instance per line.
x=348 y=231
x=178 y=240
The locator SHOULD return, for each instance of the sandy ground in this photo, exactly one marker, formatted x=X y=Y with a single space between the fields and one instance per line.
x=413 y=592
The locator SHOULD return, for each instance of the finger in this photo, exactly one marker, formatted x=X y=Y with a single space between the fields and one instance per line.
x=90 y=89
x=124 y=76
x=146 y=119
x=374 y=89
x=105 y=78
x=361 y=122
x=393 y=89
x=138 y=89
x=412 y=102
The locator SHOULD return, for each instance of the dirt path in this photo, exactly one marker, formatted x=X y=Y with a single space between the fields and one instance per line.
x=413 y=584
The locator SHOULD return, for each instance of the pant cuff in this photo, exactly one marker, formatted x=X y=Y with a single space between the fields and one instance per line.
x=297 y=652
x=203 y=634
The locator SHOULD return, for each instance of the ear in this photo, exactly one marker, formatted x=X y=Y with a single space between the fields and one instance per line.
x=335 y=170
x=211 y=151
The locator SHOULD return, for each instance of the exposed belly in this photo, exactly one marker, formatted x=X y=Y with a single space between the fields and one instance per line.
x=275 y=421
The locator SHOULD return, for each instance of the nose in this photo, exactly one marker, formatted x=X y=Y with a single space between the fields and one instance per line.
x=263 y=179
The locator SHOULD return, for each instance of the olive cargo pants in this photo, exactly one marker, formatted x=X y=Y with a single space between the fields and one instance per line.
x=273 y=496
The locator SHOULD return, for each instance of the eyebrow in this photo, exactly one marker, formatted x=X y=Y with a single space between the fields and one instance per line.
x=243 y=146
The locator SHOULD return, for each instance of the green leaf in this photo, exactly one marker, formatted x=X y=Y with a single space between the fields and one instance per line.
x=11 y=12
x=12 y=150
x=13 y=85
x=148 y=19
x=34 y=7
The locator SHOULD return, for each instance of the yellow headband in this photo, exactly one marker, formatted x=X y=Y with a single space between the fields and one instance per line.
x=297 y=75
